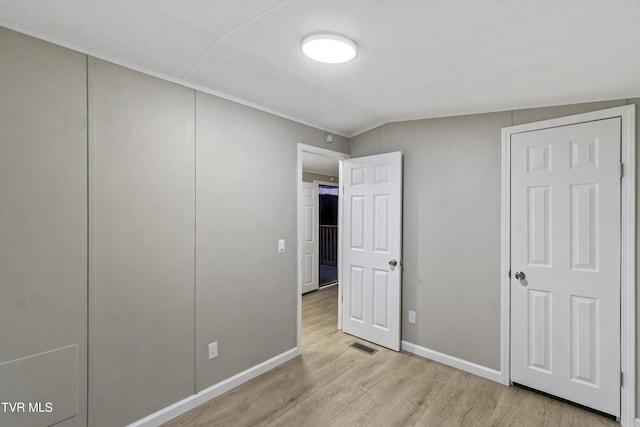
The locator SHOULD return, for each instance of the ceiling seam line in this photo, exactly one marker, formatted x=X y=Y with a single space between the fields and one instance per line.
x=231 y=32
x=336 y=94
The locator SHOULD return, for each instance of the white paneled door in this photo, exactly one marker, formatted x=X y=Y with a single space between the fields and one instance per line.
x=565 y=262
x=309 y=236
x=372 y=244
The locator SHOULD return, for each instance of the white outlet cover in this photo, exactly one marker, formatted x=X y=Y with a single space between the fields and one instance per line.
x=412 y=316
x=213 y=350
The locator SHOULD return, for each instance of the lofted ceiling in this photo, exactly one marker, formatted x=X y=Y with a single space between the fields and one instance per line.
x=418 y=58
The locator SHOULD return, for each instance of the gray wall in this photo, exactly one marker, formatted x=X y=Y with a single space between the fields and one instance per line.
x=184 y=221
x=452 y=188
x=43 y=230
x=451 y=223
x=156 y=298
x=142 y=220
x=245 y=201
x=244 y=285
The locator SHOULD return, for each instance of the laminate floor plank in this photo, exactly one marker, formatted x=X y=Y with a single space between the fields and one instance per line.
x=333 y=384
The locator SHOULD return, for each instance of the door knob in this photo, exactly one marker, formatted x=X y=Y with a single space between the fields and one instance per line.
x=520 y=275
x=393 y=263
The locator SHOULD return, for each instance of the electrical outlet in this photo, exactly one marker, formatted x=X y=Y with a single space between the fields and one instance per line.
x=281 y=245
x=412 y=316
x=213 y=350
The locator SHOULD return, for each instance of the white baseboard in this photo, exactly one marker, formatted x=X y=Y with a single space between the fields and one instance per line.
x=445 y=359
x=637 y=422
x=179 y=408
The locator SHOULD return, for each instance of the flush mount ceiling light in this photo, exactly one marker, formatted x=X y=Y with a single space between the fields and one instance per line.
x=329 y=48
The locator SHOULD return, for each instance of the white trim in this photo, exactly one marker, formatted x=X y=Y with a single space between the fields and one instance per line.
x=505 y=262
x=330 y=285
x=338 y=156
x=628 y=266
x=91 y=246
x=179 y=408
x=180 y=81
x=628 y=241
x=445 y=359
x=340 y=228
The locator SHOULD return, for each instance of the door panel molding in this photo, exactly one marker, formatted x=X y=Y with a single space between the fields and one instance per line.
x=372 y=225
x=582 y=157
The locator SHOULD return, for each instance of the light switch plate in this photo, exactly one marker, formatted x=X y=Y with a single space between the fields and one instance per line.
x=281 y=245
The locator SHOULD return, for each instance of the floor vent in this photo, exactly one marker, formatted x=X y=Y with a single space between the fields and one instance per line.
x=364 y=348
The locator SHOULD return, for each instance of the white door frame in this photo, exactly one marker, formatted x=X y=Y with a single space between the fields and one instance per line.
x=627 y=272
x=338 y=156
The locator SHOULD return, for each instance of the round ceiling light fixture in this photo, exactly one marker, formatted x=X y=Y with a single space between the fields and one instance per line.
x=329 y=48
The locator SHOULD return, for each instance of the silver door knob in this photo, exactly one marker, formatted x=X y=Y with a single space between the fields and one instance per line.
x=520 y=275
x=393 y=263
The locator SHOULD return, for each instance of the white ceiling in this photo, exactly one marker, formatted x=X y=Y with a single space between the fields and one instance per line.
x=418 y=58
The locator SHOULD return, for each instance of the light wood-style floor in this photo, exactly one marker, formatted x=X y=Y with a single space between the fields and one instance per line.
x=332 y=384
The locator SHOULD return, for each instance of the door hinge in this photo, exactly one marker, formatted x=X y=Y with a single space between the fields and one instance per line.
x=621 y=377
x=621 y=170
x=509 y=274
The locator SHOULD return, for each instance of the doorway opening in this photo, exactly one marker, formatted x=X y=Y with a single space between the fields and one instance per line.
x=319 y=212
x=328 y=196
x=370 y=220
x=318 y=171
